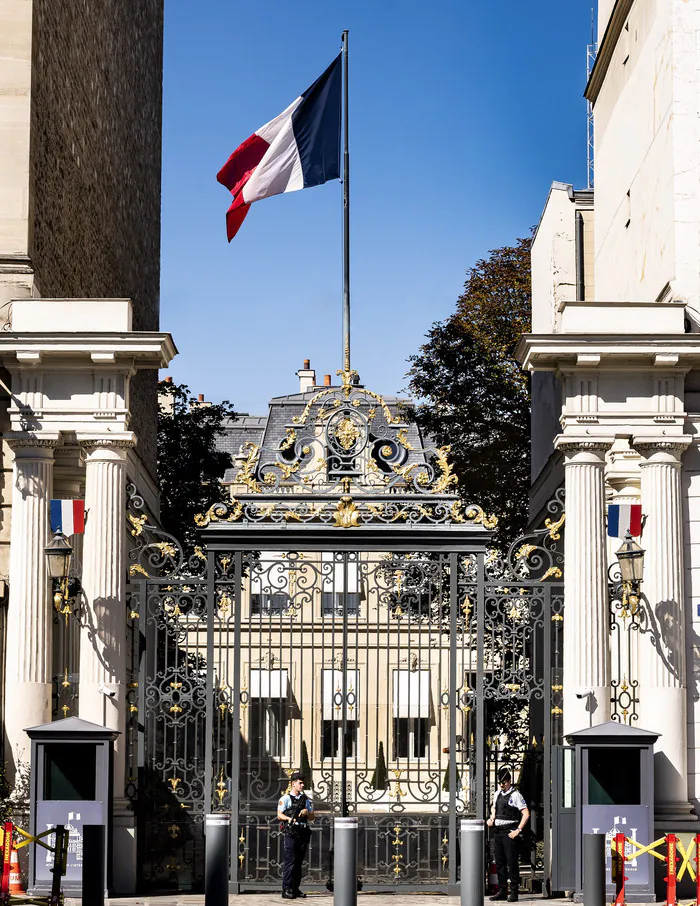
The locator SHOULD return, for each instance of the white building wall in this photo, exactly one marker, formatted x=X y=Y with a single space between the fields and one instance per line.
x=645 y=249
x=646 y=158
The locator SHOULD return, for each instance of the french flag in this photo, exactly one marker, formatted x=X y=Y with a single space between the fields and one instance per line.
x=68 y=516
x=623 y=518
x=297 y=149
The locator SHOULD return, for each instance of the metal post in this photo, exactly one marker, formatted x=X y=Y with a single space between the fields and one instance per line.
x=344 y=713
x=452 y=813
x=346 y=212
x=93 y=886
x=217 y=829
x=480 y=741
x=472 y=845
x=344 y=862
x=594 y=869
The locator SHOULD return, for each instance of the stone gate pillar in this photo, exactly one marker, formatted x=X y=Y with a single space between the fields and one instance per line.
x=586 y=644
x=28 y=668
x=661 y=648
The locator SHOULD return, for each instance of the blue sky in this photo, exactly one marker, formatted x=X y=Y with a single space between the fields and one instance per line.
x=462 y=112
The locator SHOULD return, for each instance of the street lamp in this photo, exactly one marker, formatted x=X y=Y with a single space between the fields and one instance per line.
x=631 y=560
x=58 y=553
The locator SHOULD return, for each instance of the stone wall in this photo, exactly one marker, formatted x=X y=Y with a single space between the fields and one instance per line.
x=95 y=163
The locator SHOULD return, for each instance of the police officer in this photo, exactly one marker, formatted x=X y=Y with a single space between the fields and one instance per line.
x=294 y=810
x=509 y=815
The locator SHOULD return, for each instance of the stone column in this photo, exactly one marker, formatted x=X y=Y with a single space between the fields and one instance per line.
x=103 y=635
x=586 y=643
x=661 y=648
x=28 y=670
x=102 y=697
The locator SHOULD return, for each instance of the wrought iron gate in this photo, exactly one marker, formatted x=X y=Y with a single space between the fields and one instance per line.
x=370 y=637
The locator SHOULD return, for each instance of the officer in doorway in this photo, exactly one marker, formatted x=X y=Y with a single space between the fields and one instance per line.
x=294 y=810
x=509 y=815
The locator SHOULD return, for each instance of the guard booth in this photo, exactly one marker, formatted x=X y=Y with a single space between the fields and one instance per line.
x=607 y=783
x=71 y=784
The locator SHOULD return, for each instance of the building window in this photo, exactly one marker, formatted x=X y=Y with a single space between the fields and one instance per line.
x=269 y=605
x=335 y=568
x=268 y=728
x=411 y=737
x=334 y=702
x=332 y=603
x=269 y=585
x=332 y=732
x=412 y=709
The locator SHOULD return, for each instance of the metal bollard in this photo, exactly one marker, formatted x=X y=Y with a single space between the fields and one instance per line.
x=93 y=886
x=216 y=855
x=594 y=870
x=345 y=862
x=472 y=846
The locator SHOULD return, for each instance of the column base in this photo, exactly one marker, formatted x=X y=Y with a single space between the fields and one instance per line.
x=124 y=874
x=26 y=705
x=675 y=817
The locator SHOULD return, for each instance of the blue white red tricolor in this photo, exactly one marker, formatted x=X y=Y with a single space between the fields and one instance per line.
x=298 y=149
x=623 y=518
x=68 y=516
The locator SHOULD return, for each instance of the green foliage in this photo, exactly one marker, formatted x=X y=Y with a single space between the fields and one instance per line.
x=380 y=777
x=305 y=766
x=189 y=465
x=472 y=393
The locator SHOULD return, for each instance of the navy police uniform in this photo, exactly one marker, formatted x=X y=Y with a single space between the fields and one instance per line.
x=508 y=806
x=296 y=842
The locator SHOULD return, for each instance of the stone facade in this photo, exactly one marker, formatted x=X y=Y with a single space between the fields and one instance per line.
x=80 y=158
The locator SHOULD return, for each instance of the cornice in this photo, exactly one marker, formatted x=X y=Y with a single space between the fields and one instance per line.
x=548 y=352
x=15 y=264
x=618 y=17
x=145 y=349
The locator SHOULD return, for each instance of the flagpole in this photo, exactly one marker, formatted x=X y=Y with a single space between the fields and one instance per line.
x=346 y=212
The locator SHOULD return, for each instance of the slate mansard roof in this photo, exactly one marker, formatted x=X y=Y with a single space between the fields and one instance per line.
x=269 y=431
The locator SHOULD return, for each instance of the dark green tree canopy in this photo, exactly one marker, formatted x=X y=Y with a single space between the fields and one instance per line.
x=189 y=464
x=470 y=389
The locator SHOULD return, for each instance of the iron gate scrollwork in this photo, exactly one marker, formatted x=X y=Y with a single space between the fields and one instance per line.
x=346 y=615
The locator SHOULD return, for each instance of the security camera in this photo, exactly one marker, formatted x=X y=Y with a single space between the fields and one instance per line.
x=586 y=692
x=106 y=690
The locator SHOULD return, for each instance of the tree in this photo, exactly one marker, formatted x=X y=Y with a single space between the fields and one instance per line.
x=189 y=464
x=472 y=393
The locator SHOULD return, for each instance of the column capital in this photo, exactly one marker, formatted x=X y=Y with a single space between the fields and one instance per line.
x=96 y=448
x=583 y=449
x=28 y=445
x=657 y=450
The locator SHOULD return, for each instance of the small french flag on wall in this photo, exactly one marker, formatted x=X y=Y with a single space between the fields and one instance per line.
x=68 y=516
x=623 y=518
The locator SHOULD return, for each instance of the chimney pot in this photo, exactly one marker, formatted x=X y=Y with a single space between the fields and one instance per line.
x=326 y=380
x=200 y=397
x=307 y=364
